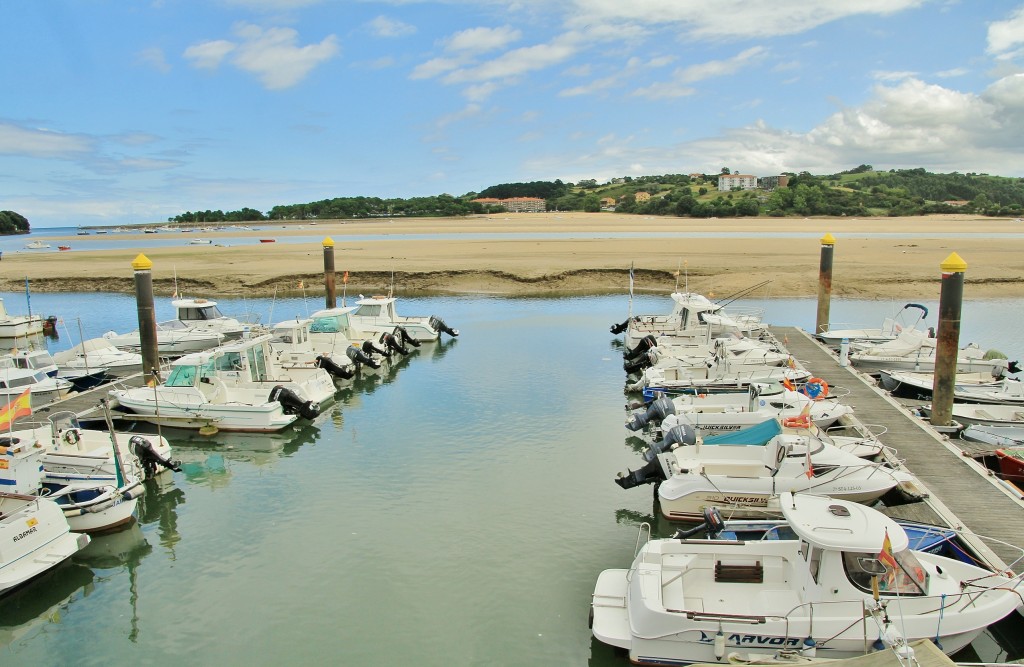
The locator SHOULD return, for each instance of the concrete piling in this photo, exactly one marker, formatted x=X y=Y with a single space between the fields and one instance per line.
x=330 y=299
x=143 y=268
x=947 y=340
x=828 y=243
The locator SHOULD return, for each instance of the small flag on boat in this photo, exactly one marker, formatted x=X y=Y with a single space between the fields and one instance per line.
x=792 y=363
x=344 y=278
x=301 y=286
x=19 y=407
x=810 y=466
x=885 y=555
x=787 y=384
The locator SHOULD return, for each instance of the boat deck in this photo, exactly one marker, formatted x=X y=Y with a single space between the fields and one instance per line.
x=961 y=492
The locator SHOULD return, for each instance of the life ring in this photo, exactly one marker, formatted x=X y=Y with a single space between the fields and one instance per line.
x=800 y=421
x=815 y=389
x=72 y=437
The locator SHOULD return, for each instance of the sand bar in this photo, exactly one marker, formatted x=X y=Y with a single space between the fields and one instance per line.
x=579 y=260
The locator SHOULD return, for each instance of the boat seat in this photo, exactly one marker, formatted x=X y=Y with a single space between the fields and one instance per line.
x=984 y=414
x=743 y=574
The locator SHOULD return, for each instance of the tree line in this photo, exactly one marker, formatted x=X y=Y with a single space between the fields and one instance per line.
x=13 y=223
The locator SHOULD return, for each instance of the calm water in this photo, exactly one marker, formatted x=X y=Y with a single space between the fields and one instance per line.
x=455 y=510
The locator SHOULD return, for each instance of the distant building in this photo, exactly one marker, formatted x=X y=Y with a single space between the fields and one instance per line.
x=608 y=202
x=696 y=177
x=642 y=196
x=956 y=202
x=515 y=204
x=772 y=182
x=727 y=182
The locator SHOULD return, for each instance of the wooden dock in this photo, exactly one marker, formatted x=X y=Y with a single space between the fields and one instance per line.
x=962 y=493
x=85 y=404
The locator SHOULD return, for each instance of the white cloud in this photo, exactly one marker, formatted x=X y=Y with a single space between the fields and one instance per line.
x=382 y=26
x=879 y=75
x=714 y=68
x=209 y=55
x=595 y=86
x=1006 y=35
x=482 y=40
x=950 y=73
x=154 y=57
x=515 y=62
x=480 y=92
x=42 y=143
x=271 y=54
x=436 y=66
x=732 y=18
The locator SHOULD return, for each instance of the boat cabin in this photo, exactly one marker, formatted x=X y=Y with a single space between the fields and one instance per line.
x=332 y=321
x=35 y=360
x=244 y=361
x=197 y=310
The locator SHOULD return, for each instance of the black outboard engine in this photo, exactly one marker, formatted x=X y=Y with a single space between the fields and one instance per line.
x=645 y=343
x=657 y=411
x=437 y=324
x=404 y=336
x=646 y=360
x=332 y=368
x=293 y=403
x=149 y=458
x=392 y=342
x=360 y=358
x=1013 y=367
x=652 y=472
x=713 y=526
x=371 y=349
x=616 y=329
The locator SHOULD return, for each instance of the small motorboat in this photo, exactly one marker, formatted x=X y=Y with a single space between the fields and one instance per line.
x=1011 y=464
x=914 y=351
x=98 y=353
x=14 y=381
x=971 y=414
x=200 y=242
x=204 y=314
x=847 y=579
x=918 y=385
x=890 y=329
x=997 y=436
x=692 y=316
x=18 y=326
x=173 y=338
x=376 y=315
x=268 y=240
x=63 y=247
x=37 y=245
x=38 y=538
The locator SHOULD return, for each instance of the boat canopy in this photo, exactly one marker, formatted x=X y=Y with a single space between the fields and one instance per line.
x=839 y=525
x=757 y=435
x=331 y=320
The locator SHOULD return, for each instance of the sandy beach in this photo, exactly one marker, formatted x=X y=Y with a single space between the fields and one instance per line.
x=579 y=260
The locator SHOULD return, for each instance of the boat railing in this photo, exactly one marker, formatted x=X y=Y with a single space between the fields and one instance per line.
x=645 y=528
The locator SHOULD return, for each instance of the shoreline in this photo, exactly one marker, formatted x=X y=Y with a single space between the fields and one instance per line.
x=545 y=260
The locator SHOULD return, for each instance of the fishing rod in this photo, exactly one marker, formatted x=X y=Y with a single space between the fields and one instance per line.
x=736 y=295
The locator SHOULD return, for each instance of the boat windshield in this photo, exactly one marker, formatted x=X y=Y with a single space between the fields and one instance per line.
x=229 y=361
x=329 y=324
x=201 y=313
x=171 y=324
x=182 y=376
x=369 y=310
x=907 y=578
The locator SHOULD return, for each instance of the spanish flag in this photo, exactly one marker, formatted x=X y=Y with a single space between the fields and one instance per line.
x=344 y=278
x=19 y=407
x=885 y=555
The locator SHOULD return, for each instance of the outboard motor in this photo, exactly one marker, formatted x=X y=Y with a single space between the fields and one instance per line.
x=391 y=342
x=404 y=336
x=1013 y=367
x=677 y=436
x=646 y=360
x=713 y=526
x=358 y=357
x=293 y=403
x=437 y=324
x=334 y=369
x=149 y=458
x=645 y=343
x=616 y=329
x=649 y=474
x=370 y=349
x=658 y=409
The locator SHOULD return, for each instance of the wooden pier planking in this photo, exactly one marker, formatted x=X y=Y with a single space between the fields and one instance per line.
x=85 y=404
x=961 y=490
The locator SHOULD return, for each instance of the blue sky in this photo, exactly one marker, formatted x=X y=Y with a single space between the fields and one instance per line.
x=123 y=112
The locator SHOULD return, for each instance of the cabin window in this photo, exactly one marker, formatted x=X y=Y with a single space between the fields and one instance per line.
x=907 y=578
x=229 y=361
x=257 y=364
x=282 y=336
x=182 y=376
x=368 y=310
x=325 y=325
x=814 y=562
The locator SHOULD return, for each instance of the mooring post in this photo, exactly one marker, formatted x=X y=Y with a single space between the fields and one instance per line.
x=947 y=340
x=330 y=299
x=828 y=243
x=143 y=268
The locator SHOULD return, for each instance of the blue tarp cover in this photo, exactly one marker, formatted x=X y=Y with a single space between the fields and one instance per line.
x=758 y=435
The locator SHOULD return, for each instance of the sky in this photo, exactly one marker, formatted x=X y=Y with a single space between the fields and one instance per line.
x=119 y=112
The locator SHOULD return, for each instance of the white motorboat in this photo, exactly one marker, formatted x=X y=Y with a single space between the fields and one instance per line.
x=890 y=329
x=236 y=387
x=35 y=360
x=200 y=242
x=19 y=326
x=14 y=381
x=742 y=474
x=295 y=347
x=331 y=333
x=910 y=384
x=997 y=436
x=173 y=338
x=914 y=351
x=691 y=316
x=99 y=353
x=204 y=314
x=37 y=245
x=976 y=414
x=35 y=537
x=694 y=600
x=376 y=315
x=719 y=370
x=729 y=352
x=89 y=504
x=719 y=412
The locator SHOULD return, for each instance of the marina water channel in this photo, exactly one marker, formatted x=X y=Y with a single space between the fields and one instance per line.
x=454 y=510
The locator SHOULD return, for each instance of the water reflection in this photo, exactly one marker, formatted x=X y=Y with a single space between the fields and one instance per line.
x=43 y=602
x=124 y=548
x=158 y=505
